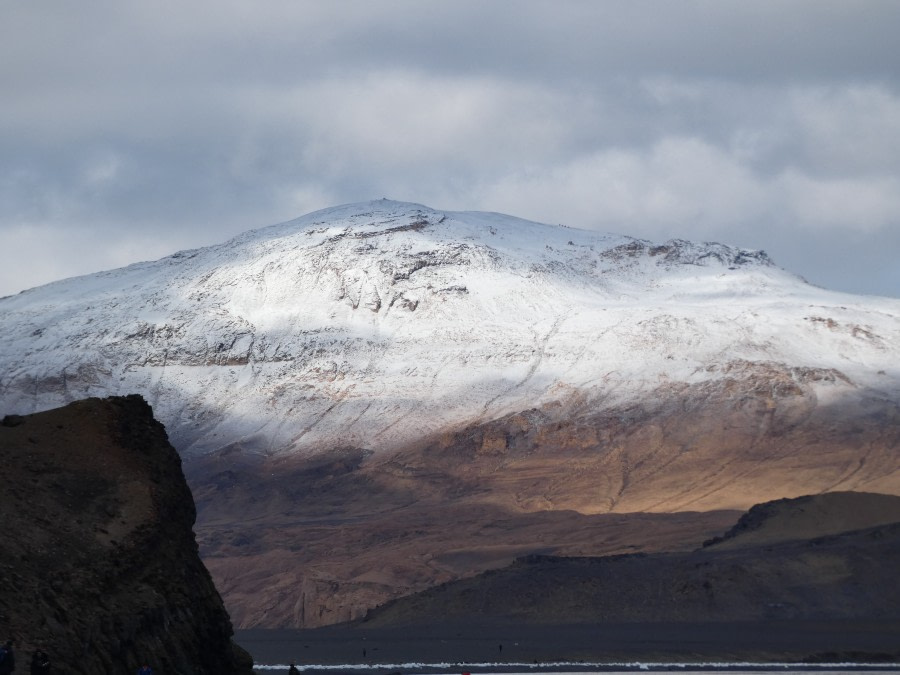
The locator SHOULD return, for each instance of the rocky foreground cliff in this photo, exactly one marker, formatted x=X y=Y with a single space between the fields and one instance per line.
x=98 y=565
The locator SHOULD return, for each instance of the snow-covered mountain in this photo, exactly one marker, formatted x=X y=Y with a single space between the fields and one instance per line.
x=372 y=325
x=379 y=397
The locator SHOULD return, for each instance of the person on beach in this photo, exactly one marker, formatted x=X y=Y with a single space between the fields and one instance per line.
x=293 y=669
x=40 y=663
x=7 y=658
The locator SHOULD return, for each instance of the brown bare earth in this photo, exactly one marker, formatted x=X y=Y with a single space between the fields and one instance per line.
x=845 y=576
x=787 y=583
x=310 y=542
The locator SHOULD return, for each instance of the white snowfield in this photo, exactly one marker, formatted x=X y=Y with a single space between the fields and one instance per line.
x=372 y=325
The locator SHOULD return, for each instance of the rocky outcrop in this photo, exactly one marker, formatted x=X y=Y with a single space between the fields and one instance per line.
x=808 y=517
x=98 y=565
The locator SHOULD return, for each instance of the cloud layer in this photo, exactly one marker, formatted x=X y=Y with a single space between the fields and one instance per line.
x=132 y=130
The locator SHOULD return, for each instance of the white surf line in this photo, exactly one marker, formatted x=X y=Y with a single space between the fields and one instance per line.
x=590 y=668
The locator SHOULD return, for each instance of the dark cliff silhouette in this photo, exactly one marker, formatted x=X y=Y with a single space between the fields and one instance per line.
x=98 y=564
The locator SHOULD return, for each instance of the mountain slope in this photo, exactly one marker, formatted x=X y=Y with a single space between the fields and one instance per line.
x=845 y=575
x=809 y=517
x=804 y=580
x=371 y=324
x=383 y=386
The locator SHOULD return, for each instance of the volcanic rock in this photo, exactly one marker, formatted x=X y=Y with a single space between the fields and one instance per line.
x=99 y=565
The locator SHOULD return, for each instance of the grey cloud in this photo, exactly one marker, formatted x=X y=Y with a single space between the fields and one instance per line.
x=741 y=122
x=274 y=42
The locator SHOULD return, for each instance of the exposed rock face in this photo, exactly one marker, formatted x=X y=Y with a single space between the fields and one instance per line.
x=791 y=575
x=98 y=564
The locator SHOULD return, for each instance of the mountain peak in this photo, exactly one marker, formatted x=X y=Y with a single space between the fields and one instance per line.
x=374 y=323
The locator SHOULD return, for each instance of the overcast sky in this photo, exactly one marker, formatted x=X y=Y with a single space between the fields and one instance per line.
x=130 y=130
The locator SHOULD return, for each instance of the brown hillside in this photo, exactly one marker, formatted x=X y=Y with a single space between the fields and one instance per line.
x=809 y=517
x=300 y=542
x=846 y=576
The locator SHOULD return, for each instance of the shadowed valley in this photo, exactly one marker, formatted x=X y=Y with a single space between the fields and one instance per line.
x=809 y=579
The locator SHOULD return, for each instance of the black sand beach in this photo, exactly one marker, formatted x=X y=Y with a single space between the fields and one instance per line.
x=473 y=643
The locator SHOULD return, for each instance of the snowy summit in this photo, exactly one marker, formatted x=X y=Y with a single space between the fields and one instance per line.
x=373 y=325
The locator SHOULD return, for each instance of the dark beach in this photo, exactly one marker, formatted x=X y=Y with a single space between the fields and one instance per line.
x=875 y=642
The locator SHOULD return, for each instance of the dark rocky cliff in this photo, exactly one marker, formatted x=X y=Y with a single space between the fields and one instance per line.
x=98 y=565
